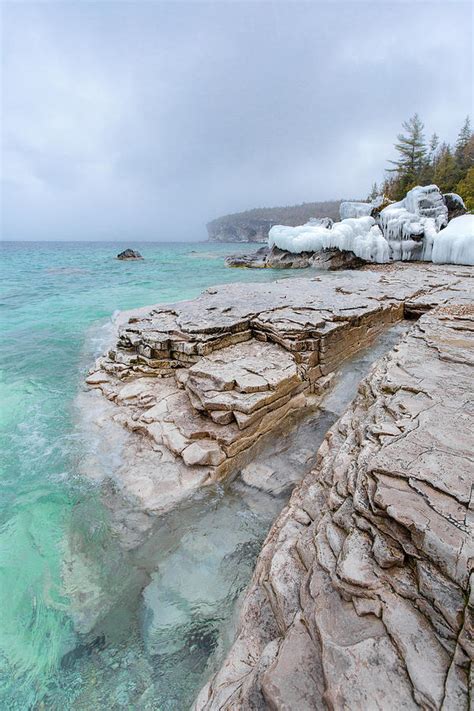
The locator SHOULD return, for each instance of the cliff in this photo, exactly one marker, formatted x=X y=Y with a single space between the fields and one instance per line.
x=254 y=225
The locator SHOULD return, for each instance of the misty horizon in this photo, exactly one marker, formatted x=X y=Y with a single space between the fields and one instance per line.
x=143 y=122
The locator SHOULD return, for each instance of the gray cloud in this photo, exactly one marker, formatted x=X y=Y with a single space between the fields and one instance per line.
x=147 y=119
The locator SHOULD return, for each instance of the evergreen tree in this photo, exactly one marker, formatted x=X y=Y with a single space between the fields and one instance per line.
x=465 y=188
x=445 y=173
x=434 y=143
x=427 y=172
x=461 y=154
x=412 y=151
x=468 y=153
x=373 y=193
x=463 y=138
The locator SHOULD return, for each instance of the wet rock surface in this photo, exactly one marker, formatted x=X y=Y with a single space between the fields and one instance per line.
x=361 y=594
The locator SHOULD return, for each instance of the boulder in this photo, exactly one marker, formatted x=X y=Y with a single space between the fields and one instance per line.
x=455 y=205
x=254 y=260
x=129 y=254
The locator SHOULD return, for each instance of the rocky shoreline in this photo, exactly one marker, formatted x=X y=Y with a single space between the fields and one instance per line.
x=362 y=595
x=275 y=258
x=199 y=385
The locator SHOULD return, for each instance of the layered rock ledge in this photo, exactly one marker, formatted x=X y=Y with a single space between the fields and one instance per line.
x=198 y=384
x=362 y=594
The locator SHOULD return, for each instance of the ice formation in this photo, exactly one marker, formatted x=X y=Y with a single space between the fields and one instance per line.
x=355 y=209
x=455 y=244
x=407 y=219
x=359 y=209
x=356 y=234
x=406 y=230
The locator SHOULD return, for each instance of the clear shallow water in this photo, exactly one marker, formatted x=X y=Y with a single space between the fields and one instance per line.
x=164 y=610
x=51 y=294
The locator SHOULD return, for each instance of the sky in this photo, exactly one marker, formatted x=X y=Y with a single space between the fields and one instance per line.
x=144 y=120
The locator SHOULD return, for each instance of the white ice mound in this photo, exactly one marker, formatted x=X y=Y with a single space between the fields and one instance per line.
x=407 y=230
x=349 y=209
x=455 y=244
x=355 y=209
x=407 y=219
x=358 y=235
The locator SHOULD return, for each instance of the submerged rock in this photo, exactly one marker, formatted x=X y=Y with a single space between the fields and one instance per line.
x=361 y=592
x=129 y=254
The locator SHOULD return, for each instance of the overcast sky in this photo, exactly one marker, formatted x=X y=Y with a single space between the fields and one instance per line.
x=144 y=120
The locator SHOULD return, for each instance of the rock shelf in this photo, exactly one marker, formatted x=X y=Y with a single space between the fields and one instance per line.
x=199 y=383
x=362 y=594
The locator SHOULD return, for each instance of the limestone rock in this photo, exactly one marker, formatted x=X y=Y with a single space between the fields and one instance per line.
x=364 y=601
x=198 y=385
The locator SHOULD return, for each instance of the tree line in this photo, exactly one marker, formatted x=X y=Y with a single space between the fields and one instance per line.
x=421 y=162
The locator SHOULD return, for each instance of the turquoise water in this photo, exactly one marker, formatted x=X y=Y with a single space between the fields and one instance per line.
x=52 y=294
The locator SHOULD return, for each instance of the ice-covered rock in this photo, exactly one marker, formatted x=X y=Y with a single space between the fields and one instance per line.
x=351 y=208
x=359 y=235
x=405 y=224
x=322 y=221
x=455 y=205
x=404 y=230
x=355 y=209
x=455 y=243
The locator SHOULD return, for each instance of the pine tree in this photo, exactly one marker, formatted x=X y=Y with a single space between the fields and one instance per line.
x=465 y=188
x=434 y=143
x=373 y=193
x=461 y=154
x=412 y=151
x=445 y=173
x=427 y=172
x=463 y=137
x=468 y=153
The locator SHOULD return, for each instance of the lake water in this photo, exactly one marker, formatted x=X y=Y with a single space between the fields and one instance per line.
x=52 y=295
